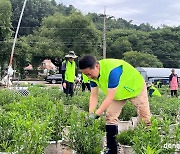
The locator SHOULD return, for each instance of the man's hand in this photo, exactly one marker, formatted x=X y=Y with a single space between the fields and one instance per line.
x=64 y=85
x=93 y=116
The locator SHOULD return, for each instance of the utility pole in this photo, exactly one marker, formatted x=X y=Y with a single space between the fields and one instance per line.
x=17 y=30
x=104 y=35
x=10 y=71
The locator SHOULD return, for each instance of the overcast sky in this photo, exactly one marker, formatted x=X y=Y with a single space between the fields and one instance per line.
x=155 y=12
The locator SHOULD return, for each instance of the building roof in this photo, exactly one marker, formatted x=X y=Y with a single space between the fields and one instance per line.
x=158 y=72
x=46 y=64
x=29 y=67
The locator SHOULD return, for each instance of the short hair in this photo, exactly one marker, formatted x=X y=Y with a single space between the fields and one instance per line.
x=87 y=61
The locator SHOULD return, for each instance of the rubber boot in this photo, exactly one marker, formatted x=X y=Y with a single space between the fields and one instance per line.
x=112 y=131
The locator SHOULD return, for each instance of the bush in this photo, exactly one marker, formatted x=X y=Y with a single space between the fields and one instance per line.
x=85 y=135
x=125 y=137
x=128 y=111
x=7 y=97
x=152 y=136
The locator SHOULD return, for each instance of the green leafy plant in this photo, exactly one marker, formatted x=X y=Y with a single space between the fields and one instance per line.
x=125 y=137
x=149 y=150
x=85 y=135
x=31 y=136
x=152 y=136
x=128 y=111
x=7 y=97
x=164 y=106
x=58 y=122
x=6 y=131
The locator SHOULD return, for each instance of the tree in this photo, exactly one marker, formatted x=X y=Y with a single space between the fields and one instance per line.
x=145 y=27
x=166 y=46
x=111 y=22
x=138 y=59
x=75 y=32
x=34 y=12
x=65 y=10
x=22 y=57
x=53 y=2
x=5 y=33
x=5 y=19
x=120 y=46
x=163 y=43
x=42 y=48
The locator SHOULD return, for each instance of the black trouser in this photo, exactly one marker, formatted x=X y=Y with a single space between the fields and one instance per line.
x=84 y=85
x=159 y=85
x=111 y=132
x=174 y=92
x=63 y=80
x=69 y=88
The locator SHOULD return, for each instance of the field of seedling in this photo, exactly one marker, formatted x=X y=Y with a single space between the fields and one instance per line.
x=46 y=121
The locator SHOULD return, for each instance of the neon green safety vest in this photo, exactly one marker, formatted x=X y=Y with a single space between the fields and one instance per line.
x=131 y=81
x=70 y=71
x=158 y=83
x=156 y=91
x=85 y=78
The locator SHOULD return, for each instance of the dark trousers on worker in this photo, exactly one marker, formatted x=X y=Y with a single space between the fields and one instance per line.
x=111 y=132
x=69 y=88
x=86 y=85
x=174 y=93
x=63 y=80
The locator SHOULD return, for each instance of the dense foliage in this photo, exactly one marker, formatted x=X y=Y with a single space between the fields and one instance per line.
x=27 y=124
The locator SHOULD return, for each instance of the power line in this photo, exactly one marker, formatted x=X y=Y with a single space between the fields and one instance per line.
x=98 y=28
x=47 y=42
x=57 y=43
x=46 y=27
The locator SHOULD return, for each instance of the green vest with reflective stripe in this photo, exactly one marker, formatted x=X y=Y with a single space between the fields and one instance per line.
x=156 y=91
x=70 y=71
x=85 y=78
x=130 y=84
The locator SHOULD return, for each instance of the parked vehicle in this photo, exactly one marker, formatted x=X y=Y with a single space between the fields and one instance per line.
x=55 y=78
x=164 y=81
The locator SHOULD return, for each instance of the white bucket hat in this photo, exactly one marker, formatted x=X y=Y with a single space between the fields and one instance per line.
x=71 y=54
x=149 y=84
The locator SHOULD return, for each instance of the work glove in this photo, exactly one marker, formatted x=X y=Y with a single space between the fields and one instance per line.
x=93 y=116
x=90 y=120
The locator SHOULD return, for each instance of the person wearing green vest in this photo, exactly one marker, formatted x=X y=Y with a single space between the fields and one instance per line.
x=152 y=91
x=68 y=83
x=85 y=83
x=120 y=82
x=159 y=83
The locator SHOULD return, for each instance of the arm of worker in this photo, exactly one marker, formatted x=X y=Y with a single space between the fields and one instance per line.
x=114 y=80
x=93 y=99
x=107 y=101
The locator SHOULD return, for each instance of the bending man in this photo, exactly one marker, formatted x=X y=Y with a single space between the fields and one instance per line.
x=120 y=82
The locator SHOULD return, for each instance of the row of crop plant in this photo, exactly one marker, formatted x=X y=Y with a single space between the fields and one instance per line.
x=28 y=124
